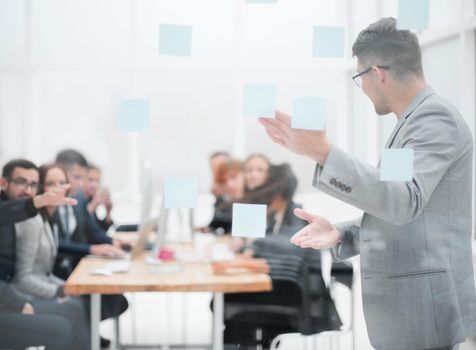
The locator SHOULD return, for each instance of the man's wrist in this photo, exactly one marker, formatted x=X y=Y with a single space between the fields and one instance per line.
x=321 y=154
x=38 y=201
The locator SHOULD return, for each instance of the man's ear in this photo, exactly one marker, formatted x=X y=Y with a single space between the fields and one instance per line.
x=3 y=183
x=380 y=73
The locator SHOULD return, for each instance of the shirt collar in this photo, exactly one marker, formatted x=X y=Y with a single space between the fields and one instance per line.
x=417 y=100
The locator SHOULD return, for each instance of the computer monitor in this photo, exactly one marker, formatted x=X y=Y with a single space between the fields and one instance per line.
x=144 y=233
x=161 y=230
x=162 y=224
x=146 y=193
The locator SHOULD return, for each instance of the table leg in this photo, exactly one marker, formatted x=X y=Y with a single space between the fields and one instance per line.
x=95 y=318
x=218 y=320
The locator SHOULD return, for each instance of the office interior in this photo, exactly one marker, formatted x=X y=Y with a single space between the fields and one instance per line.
x=65 y=66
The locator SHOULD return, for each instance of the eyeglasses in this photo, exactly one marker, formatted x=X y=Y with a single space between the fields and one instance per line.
x=55 y=183
x=358 y=78
x=23 y=184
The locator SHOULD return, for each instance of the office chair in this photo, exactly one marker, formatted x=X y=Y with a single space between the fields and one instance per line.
x=341 y=278
x=299 y=303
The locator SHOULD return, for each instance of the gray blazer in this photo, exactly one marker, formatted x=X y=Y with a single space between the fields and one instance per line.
x=414 y=238
x=36 y=254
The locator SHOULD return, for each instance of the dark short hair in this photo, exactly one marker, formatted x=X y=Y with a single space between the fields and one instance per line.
x=92 y=166
x=43 y=170
x=10 y=167
x=381 y=43
x=70 y=157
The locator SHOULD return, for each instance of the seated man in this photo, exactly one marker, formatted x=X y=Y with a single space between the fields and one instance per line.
x=98 y=196
x=19 y=327
x=76 y=224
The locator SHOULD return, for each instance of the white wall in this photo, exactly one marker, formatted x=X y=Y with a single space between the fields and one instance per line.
x=64 y=65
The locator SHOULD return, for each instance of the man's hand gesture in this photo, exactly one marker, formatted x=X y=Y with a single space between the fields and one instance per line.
x=55 y=196
x=319 y=234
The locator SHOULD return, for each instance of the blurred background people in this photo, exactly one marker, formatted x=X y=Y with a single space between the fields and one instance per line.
x=23 y=324
x=76 y=224
x=98 y=196
x=37 y=256
x=229 y=175
x=217 y=159
x=256 y=169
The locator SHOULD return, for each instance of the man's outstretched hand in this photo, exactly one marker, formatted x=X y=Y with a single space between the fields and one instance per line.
x=319 y=234
x=56 y=196
x=309 y=143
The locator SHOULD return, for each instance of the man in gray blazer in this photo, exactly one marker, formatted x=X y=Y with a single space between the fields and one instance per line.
x=414 y=238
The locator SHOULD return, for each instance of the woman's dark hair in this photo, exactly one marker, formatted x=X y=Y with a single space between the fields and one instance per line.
x=281 y=182
x=43 y=170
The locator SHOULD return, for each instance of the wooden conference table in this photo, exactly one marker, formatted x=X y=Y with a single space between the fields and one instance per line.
x=193 y=276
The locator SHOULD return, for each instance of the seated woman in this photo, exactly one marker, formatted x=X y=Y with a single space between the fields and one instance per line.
x=217 y=159
x=256 y=169
x=37 y=248
x=277 y=192
x=98 y=196
x=281 y=217
x=230 y=175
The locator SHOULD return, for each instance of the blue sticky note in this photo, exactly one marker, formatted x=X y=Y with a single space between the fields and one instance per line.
x=180 y=192
x=413 y=14
x=260 y=1
x=133 y=115
x=328 y=42
x=259 y=100
x=396 y=164
x=175 y=40
x=309 y=113
x=249 y=220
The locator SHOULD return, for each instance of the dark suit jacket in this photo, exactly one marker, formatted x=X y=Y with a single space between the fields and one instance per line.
x=73 y=246
x=11 y=212
x=87 y=229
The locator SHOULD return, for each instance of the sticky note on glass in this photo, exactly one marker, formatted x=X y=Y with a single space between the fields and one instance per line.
x=396 y=164
x=249 y=220
x=180 y=192
x=413 y=14
x=309 y=113
x=133 y=115
x=175 y=40
x=259 y=100
x=260 y=1
x=328 y=42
